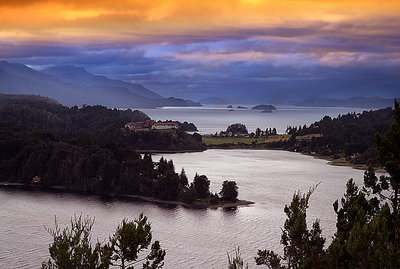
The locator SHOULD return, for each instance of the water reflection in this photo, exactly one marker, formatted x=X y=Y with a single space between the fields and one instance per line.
x=193 y=238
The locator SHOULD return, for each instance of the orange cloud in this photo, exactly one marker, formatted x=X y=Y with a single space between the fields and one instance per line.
x=135 y=20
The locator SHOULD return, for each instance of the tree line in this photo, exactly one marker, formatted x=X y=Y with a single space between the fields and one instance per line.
x=367 y=222
x=349 y=136
x=27 y=153
x=94 y=125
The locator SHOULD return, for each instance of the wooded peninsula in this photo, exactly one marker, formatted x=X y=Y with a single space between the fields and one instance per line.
x=47 y=145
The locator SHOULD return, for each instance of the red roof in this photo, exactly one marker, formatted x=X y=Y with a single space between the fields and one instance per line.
x=140 y=124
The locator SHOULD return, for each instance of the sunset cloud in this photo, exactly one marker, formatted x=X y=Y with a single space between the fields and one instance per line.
x=199 y=46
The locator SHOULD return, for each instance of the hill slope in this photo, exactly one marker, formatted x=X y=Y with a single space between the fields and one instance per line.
x=75 y=86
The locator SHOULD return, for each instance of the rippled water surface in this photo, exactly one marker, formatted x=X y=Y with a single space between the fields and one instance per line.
x=192 y=238
x=211 y=119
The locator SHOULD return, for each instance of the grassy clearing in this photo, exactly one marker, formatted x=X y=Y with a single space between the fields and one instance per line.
x=209 y=140
x=308 y=137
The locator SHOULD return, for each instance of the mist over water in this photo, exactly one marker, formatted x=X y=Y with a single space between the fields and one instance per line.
x=193 y=238
x=212 y=119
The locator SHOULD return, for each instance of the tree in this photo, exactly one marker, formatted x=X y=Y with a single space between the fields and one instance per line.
x=236 y=262
x=258 y=132
x=169 y=185
x=302 y=248
x=72 y=246
x=368 y=221
x=132 y=237
x=229 y=191
x=189 y=196
x=388 y=148
x=202 y=185
x=183 y=178
x=237 y=128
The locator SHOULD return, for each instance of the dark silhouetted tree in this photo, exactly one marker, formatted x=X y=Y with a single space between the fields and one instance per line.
x=72 y=246
x=202 y=185
x=302 y=248
x=229 y=191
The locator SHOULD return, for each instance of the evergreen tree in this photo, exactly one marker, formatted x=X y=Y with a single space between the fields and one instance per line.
x=302 y=248
x=183 y=179
x=229 y=191
x=132 y=237
x=236 y=262
x=202 y=185
x=72 y=246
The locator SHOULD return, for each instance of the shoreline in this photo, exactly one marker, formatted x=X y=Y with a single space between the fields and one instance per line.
x=330 y=160
x=169 y=151
x=133 y=197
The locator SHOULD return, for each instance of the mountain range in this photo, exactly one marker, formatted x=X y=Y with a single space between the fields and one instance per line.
x=358 y=101
x=71 y=85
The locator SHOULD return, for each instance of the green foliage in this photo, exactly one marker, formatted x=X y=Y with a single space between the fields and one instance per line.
x=214 y=199
x=350 y=136
x=236 y=262
x=189 y=196
x=229 y=191
x=237 y=128
x=368 y=221
x=202 y=185
x=183 y=179
x=389 y=156
x=91 y=125
x=302 y=248
x=72 y=246
x=111 y=169
x=188 y=127
x=269 y=258
x=130 y=239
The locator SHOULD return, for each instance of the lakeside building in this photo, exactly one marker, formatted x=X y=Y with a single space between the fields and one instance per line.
x=36 y=180
x=140 y=125
x=165 y=125
x=148 y=125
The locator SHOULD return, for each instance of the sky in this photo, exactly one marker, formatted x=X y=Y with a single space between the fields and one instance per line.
x=233 y=48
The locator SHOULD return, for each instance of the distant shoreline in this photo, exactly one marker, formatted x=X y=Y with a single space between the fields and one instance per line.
x=196 y=205
x=330 y=160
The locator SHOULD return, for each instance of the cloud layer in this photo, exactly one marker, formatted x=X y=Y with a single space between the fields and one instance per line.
x=194 y=49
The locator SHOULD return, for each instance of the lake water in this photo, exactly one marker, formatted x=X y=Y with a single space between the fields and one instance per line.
x=192 y=238
x=212 y=119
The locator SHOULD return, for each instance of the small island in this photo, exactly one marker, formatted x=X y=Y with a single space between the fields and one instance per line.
x=229 y=106
x=264 y=108
x=242 y=107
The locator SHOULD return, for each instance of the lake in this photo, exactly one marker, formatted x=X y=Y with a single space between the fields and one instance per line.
x=193 y=238
x=212 y=119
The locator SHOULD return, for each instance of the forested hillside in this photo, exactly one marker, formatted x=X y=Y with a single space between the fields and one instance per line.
x=350 y=136
x=25 y=154
x=91 y=125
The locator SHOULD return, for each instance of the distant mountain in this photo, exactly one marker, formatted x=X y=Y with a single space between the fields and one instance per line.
x=27 y=97
x=72 y=85
x=83 y=78
x=361 y=102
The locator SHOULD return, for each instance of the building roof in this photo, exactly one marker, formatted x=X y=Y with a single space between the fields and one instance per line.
x=165 y=123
